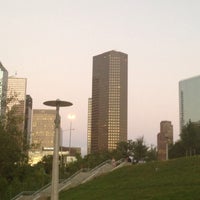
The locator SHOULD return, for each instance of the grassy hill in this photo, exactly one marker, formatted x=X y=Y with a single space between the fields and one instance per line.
x=167 y=180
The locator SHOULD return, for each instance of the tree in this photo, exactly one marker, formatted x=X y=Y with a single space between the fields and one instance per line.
x=122 y=149
x=46 y=164
x=151 y=154
x=190 y=137
x=12 y=156
x=139 y=149
x=10 y=145
x=176 y=150
x=125 y=149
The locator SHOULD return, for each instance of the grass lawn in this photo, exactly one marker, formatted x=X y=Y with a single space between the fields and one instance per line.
x=177 y=179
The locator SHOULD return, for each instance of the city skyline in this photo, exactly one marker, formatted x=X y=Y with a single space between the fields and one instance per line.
x=52 y=45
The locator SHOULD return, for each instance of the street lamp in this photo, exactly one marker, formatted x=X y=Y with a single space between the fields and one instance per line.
x=167 y=148
x=55 y=173
x=70 y=117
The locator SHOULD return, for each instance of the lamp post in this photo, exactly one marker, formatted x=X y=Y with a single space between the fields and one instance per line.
x=167 y=148
x=70 y=117
x=55 y=172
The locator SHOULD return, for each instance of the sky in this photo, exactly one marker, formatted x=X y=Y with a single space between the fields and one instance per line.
x=52 y=44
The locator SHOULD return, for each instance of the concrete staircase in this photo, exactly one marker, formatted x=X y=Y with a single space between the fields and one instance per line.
x=78 y=178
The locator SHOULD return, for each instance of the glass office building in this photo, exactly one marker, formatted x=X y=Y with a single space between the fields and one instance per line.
x=109 y=100
x=189 y=100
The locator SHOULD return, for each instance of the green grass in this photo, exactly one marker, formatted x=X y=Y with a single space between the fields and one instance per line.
x=170 y=180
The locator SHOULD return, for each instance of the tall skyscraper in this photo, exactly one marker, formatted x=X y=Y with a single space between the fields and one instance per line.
x=17 y=95
x=189 y=100
x=3 y=88
x=109 y=100
x=164 y=139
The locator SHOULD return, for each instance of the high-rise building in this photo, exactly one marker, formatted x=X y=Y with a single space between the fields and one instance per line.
x=189 y=101
x=17 y=97
x=164 y=139
x=109 y=100
x=42 y=137
x=3 y=88
x=43 y=128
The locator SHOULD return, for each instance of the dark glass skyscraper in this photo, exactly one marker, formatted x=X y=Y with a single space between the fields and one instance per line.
x=109 y=100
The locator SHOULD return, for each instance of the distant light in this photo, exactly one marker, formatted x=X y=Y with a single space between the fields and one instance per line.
x=71 y=116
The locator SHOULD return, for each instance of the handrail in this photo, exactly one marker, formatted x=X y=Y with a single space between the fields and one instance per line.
x=33 y=193
x=72 y=176
x=42 y=188
x=94 y=170
x=22 y=194
x=100 y=165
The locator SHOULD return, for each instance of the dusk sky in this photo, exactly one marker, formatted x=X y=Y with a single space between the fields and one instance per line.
x=52 y=43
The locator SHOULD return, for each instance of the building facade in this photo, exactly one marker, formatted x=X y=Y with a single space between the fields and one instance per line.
x=42 y=137
x=189 y=101
x=3 y=88
x=89 y=125
x=109 y=100
x=43 y=128
x=164 y=139
x=16 y=94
